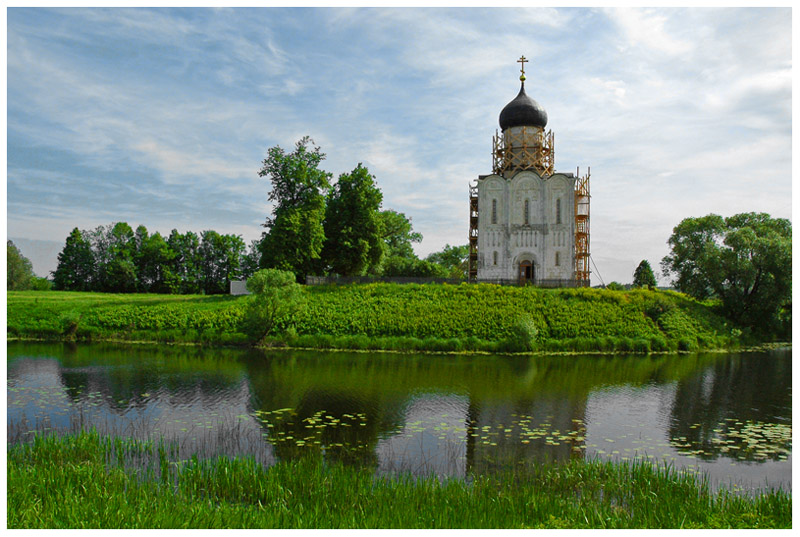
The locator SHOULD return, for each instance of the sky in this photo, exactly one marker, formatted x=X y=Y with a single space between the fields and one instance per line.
x=162 y=117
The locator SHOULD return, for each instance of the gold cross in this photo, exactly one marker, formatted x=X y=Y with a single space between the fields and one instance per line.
x=522 y=61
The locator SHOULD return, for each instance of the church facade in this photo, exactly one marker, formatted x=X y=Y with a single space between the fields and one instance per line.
x=528 y=223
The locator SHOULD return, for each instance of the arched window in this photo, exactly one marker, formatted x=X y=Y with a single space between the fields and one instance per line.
x=494 y=257
x=494 y=211
x=558 y=211
x=526 y=212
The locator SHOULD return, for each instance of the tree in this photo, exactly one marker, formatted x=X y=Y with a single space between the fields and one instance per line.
x=296 y=235
x=185 y=265
x=353 y=233
x=398 y=234
x=643 y=275
x=19 y=275
x=275 y=297
x=744 y=260
x=154 y=265
x=76 y=269
x=453 y=258
x=251 y=260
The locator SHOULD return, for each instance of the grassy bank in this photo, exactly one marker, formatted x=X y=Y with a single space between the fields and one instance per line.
x=394 y=317
x=85 y=481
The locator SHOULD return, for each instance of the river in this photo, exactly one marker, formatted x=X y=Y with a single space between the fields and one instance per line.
x=726 y=415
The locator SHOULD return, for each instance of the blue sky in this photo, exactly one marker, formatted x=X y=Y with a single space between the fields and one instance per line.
x=161 y=117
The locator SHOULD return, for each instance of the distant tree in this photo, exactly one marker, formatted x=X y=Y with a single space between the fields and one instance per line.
x=398 y=234
x=154 y=266
x=413 y=268
x=19 y=270
x=453 y=258
x=643 y=275
x=118 y=272
x=220 y=256
x=275 y=297
x=615 y=286
x=353 y=233
x=76 y=269
x=250 y=259
x=296 y=235
x=185 y=266
x=744 y=260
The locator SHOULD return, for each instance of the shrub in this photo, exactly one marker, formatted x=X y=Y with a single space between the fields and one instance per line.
x=276 y=297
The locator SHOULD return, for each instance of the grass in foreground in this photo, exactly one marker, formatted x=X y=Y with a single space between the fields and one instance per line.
x=82 y=481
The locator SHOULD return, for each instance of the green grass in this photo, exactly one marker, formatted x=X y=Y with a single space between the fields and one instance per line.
x=88 y=481
x=452 y=318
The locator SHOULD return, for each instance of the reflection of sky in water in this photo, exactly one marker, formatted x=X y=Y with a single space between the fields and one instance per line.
x=432 y=439
x=623 y=422
x=425 y=430
x=200 y=420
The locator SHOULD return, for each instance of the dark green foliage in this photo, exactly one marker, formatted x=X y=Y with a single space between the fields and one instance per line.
x=744 y=260
x=76 y=270
x=398 y=234
x=353 y=232
x=643 y=275
x=296 y=235
x=615 y=286
x=19 y=275
x=275 y=297
x=79 y=482
x=452 y=258
x=118 y=260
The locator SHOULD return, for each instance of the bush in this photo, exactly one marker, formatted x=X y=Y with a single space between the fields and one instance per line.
x=523 y=335
x=275 y=298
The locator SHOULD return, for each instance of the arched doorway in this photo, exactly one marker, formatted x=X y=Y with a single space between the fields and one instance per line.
x=527 y=273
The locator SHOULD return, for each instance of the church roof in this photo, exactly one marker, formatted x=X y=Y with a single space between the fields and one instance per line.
x=523 y=112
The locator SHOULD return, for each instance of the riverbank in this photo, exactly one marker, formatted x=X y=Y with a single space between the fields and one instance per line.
x=88 y=481
x=439 y=318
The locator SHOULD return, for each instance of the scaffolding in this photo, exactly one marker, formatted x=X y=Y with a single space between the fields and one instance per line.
x=473 y=233
x=582 y=199
x=529 y=148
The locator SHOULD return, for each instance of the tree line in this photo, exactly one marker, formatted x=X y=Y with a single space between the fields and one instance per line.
x=118 y=259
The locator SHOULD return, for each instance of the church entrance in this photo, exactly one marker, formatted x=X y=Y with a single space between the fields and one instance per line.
x=526 y=272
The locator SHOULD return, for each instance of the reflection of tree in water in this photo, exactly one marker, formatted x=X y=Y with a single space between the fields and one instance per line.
x=341 y=426
x=738 y=408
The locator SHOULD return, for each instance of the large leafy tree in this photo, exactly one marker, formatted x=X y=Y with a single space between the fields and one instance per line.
x=76 y=269
x=744 y=260
x=296 y=235
x=19 y=275
x=643 y=275
x=353 y=232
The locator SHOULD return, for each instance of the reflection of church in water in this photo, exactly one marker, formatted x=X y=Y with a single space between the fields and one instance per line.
x=528 y=223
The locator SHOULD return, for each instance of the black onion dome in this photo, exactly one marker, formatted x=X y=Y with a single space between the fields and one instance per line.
x=523 y=112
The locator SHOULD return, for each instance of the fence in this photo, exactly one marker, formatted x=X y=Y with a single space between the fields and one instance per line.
x=343 y=280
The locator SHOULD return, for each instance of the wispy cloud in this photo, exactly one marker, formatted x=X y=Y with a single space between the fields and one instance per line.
x=162 y=116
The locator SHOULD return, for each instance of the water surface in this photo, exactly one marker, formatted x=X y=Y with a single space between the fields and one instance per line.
x=724 y=414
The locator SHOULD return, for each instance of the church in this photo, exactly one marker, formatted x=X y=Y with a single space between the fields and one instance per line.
x=528 y=223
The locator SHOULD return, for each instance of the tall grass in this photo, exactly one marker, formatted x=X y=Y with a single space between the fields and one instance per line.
x=451 y=318
x=81 y=481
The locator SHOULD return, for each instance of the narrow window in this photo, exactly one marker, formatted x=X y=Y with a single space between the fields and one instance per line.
x=526 y=213
x=557 y=260
x=494 y=257
x=558 y=211
x=494 y=211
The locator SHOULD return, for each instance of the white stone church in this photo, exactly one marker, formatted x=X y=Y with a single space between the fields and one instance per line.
x=528 y=223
